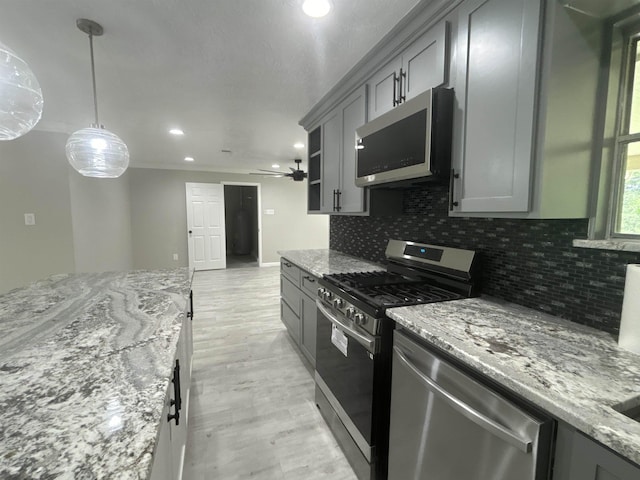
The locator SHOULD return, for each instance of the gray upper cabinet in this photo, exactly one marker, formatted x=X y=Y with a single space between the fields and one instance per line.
x=338 y=129
x=526 y=82
x=422 y=65
x=497 y=51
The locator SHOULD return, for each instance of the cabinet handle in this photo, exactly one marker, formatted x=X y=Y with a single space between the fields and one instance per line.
x=286 y=264
x=396 y=79
x=403 y=86
x=177 y=402
x=453 y=176
x=334 y=200
x=310 y=279
x=338 y=207
x=190 y=312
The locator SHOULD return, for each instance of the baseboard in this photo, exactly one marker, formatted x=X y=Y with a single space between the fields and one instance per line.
x=269 y=264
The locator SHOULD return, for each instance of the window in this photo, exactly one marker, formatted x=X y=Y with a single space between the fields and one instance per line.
x=625 y=212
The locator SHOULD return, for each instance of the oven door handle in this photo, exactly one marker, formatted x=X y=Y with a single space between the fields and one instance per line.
x=476 y=417
x=367 y=342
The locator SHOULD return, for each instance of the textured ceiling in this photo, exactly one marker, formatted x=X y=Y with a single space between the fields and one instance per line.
x=233 y=74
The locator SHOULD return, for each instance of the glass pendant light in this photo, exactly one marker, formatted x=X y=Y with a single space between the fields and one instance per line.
x=95 y=151
x=316 y=8
x=20 y=96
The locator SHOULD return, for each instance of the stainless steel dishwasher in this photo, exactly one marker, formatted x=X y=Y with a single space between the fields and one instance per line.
x=445 y=425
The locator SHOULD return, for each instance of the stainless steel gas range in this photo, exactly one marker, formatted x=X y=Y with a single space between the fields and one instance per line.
x=355 y=341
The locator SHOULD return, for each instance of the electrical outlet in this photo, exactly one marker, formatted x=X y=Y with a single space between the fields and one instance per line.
x=175 y=256
x=29 y=219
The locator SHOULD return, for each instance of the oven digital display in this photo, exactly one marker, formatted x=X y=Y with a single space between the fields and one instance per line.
x=433 y=254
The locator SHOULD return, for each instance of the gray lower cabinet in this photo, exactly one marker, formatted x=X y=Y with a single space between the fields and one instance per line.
x=580 y=458
x=308 y=334
x=168 y=456
x=298 y=290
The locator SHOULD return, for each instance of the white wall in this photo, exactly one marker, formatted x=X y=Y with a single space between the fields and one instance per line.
x=159 y=217
x=101 y=218
x=34 y=179
x=136 y=221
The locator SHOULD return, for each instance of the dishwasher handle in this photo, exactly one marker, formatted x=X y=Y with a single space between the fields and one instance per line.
x=470 y=413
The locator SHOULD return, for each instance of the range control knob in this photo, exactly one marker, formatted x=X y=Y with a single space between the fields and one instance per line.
x=359 y=319
x=338 y=303
x=321 y=292
x=350 y=312
x=327 y=296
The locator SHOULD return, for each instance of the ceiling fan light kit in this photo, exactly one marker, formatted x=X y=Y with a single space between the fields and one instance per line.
x=21 y=100
x=95 y=151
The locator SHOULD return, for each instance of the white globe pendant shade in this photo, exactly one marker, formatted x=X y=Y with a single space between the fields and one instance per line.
x=96 y=152
x=20 y=96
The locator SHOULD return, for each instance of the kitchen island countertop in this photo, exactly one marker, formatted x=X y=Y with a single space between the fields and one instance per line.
x=85 y=361
x=328 y=262
x=574 y=372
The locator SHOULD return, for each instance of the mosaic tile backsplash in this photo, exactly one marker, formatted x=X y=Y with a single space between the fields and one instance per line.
x=529 y=262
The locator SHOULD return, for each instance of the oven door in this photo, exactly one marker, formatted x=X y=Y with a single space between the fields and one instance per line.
x=344 y=373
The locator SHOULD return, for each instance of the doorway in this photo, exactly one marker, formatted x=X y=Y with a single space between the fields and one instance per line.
x=242 y=224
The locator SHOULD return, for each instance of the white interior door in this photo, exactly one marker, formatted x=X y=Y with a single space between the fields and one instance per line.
x=205 y=222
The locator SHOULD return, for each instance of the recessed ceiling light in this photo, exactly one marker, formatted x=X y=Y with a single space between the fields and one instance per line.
x=176 y=131
x=298 y=145
x=189 y=159
x=316 y=8
x=275 y=165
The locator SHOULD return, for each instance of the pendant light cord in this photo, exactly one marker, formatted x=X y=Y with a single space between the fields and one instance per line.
x=93 y=76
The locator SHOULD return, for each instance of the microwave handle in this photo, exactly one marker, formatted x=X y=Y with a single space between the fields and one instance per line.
x=452 y=178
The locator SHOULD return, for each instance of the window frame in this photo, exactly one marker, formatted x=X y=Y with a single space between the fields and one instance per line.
x=630 y=32
x=606 y=178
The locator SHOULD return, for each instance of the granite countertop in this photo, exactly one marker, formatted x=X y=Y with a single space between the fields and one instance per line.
x=85 y=362
x=574 y=372
x=328 y=262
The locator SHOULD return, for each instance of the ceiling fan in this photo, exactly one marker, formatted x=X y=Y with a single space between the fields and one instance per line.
x=296 y=174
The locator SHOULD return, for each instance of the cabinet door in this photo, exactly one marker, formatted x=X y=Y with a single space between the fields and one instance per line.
x=590 y=461
x=331 y=141
x=354 y=111
x=381 y=88
x=162 y=468
x=497 y=51
x=425 y=61
x=308 y=334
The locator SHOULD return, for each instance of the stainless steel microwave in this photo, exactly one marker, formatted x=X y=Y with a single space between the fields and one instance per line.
x=410 y=142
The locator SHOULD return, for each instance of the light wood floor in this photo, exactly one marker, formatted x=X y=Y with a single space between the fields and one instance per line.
x=252 y=412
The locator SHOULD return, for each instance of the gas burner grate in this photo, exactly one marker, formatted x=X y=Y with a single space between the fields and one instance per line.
x=406 y=294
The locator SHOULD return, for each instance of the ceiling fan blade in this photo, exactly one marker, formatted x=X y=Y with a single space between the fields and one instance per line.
x=292 y=169
x=271 y=171
x=275 y=175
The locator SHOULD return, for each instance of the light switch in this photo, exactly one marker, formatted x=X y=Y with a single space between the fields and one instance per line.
x=269 y=211
x=29 y=218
